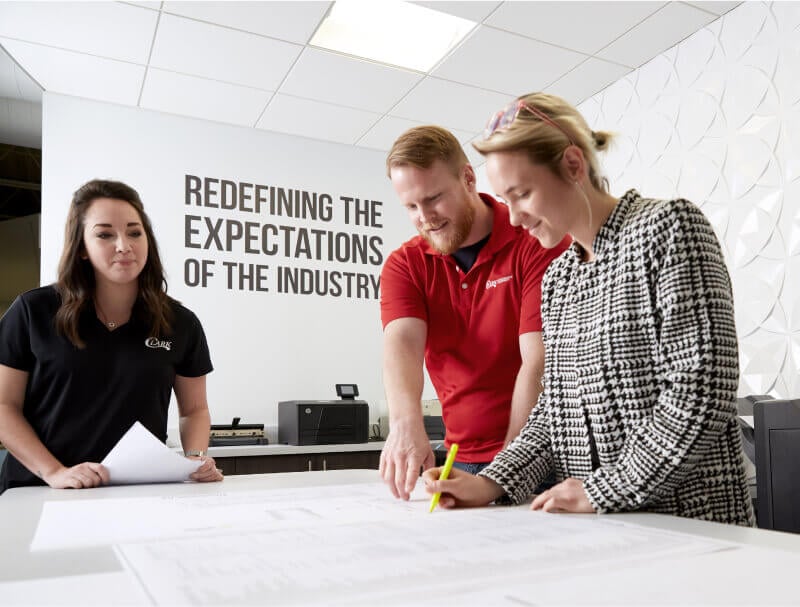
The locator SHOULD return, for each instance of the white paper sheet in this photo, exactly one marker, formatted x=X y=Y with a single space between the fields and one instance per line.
x=352 y=544
x=102 y=522
x=139 y=458
x=356 y=545
x=406 y=556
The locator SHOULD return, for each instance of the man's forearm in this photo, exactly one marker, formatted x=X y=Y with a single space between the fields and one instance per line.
x=403 y=379
x=403 y=394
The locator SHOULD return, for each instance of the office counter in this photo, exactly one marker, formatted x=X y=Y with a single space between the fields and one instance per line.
x=750 y=566
x=261 y=459
x=281 y=449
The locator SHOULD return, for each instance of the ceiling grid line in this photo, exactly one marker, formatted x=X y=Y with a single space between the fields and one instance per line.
x=277 y=89
x=149 y=55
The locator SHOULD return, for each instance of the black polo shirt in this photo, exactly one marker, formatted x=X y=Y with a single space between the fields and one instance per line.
x=81 y=401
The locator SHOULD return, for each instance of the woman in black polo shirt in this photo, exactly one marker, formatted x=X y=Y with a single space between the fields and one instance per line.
x=85 y=358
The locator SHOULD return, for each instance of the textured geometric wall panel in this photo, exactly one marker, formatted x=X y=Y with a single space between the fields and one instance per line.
x=716 y=119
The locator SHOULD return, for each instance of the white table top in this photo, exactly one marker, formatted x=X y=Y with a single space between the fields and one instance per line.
x=760 y=568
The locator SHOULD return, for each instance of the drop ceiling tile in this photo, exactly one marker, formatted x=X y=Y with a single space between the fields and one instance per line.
x=476 y=159
x=287 y=114
x=199 y=49
x=451 y=105
x=656 y=34
x=500 y=61
x=291 y=21
x=77 y=74
x=106 y=29
x=153 y=5
x=588 y=78
x=474 y=11
x=334 y=78
x=582 y=26
x=465 y=136
x=383 y=135
x=201 y=98
x=718 y=7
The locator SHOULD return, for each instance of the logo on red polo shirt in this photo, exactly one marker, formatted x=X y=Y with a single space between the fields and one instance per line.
x=491 y=284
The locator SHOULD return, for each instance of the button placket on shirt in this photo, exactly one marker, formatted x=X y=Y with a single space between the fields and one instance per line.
x=463 y=291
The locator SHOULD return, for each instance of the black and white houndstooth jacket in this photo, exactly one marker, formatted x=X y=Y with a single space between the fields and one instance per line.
x=641 y=372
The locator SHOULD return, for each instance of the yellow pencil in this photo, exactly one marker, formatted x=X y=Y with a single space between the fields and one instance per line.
x=448 y=465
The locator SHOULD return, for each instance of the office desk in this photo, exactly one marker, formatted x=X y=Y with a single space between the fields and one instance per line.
x=752 y=567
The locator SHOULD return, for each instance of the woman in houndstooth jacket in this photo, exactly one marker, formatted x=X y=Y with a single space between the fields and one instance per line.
x=641 y=366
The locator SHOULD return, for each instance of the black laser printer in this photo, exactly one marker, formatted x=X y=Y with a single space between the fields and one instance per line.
x=324 y=422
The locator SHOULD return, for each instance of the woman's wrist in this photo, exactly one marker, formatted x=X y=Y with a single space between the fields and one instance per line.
x=48 y=469
x=195 y=453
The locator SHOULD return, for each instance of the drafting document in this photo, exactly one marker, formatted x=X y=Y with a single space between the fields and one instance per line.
x=140 y=458
x=378 y=550
x=102 y=522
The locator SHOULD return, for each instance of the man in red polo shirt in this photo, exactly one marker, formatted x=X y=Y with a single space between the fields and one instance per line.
x=463 y=297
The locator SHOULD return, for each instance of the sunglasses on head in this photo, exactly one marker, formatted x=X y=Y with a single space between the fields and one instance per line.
x=505 y=118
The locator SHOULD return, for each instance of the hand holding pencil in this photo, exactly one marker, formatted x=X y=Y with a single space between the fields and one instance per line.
x=454 y=488
x=448 y=466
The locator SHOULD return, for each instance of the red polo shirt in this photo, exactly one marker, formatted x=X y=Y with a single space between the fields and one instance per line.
x=474 y=322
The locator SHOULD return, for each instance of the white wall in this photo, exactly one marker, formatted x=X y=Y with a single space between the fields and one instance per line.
x=716 y=119
x=266 y=346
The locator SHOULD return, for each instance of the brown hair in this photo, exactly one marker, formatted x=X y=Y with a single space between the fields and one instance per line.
x=76 y=279
x=421 y=146
x=545 y=139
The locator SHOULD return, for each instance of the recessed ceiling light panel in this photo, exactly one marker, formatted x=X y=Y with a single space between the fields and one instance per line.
x=390 y=31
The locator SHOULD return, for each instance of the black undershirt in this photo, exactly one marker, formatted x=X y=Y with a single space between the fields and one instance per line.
x=465 y=256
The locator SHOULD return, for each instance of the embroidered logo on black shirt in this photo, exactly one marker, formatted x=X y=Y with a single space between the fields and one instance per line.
x=154 y=342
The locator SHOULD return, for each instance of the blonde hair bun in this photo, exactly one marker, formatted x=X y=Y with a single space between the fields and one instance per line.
x=601 y=139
